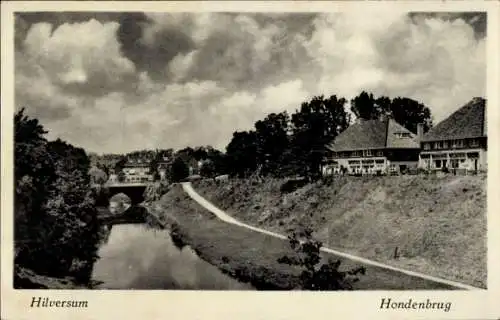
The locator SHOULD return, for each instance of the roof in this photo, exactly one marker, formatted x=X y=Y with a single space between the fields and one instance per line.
x=136 y=164
x=467 y=122
x=374 y=134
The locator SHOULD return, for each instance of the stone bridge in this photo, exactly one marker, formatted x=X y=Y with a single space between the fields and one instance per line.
x=135 y=191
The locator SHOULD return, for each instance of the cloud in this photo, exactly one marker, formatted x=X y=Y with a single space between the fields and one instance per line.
x=82 y=58
x=439 y=62
x=171 y=80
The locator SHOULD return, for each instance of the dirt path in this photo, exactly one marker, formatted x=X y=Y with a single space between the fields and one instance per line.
x=187 y=187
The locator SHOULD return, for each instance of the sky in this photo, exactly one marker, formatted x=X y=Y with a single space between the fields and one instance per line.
x=118 y=82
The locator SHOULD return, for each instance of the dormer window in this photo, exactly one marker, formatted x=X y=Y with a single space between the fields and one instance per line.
x=403 y=134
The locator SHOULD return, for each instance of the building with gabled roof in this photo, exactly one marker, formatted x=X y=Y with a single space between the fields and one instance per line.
x=459 y=142
x=373 y=146
x=137 y=170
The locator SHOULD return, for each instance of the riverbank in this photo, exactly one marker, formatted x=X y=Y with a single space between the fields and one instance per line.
x=27 y=279
x=252 y=257
x=141 y=257
x=242 y=254
x=433 y=225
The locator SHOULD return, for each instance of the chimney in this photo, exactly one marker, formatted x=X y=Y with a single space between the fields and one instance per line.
x=420 y=131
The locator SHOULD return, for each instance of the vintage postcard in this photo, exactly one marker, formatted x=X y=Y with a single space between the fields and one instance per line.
x=260 y=160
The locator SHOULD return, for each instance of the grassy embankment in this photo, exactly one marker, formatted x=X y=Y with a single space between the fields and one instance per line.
x=250 y=256
x=437 y=225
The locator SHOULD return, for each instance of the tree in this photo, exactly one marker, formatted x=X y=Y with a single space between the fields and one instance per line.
x=218 y=160
x=200 y=153
x=98 y=176
x=157 y=159
x=364 y=106
x=120 y=164
x=121 y=176
x=272 y=141
x=34 y=174
x=208 y=169
x=405 y=111
x=179 y=170
x=409 y=113
x=241 y=153
x=314 y=275
x=56 y=227
x=315 y=125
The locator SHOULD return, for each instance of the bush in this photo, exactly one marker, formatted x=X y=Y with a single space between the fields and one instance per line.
x=317 y=276
x=154 y=191
x=293 y=184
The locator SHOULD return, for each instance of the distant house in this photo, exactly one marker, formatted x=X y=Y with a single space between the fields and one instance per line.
x=113 y=177
x=163 y=166
x=459 y=142
x=137 y=171
x=372 y=147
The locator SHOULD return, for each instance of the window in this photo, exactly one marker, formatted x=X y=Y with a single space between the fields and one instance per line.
x=402 y=134
x=457 y=144
x=474 y=143
x=427 y=146
x=380 y=153
x=368 y=153
x=445 y=144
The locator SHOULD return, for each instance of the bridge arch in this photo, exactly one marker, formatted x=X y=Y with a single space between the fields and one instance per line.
x=135 y=191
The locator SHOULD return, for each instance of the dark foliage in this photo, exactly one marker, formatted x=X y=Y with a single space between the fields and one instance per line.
x=179 y=170
x=315 y=275
x=56 y=227
x=283 y=145
x=407 y=112
x=293 y=184
x=241 y=153
x=315 y=125
x=120 y=164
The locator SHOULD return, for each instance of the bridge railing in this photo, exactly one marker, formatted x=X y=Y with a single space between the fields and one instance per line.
x=126 y=184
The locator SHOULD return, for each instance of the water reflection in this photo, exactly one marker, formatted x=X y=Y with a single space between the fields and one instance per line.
x=137 y=257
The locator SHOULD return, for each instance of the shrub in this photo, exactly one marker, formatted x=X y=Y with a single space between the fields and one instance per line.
x=317 y=276
x=293 y=184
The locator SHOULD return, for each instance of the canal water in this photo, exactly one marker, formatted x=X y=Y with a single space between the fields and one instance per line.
x=135 y=256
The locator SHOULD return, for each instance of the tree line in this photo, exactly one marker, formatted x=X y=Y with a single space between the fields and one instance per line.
x=284 y=144
x=56 y=230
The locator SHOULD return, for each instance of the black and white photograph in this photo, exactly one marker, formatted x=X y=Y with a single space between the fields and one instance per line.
x=309 y=159
x=250 y=151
